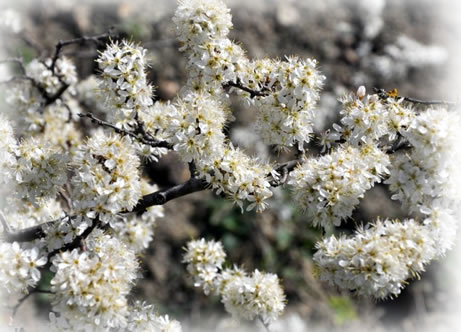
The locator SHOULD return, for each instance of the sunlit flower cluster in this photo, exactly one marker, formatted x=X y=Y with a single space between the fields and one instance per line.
x=40 y=170
x=143 y=318
x=197 y=131
x=286 y=114
x=240 y=177
x=124 y=82
x=367 y=118
x=430 y=170
x=19 y=268
x=258 y=295
x=8 y=146
x=329 y=187
x=377 y=260
x=137 y=231
x=106 y=178
x=91 y=286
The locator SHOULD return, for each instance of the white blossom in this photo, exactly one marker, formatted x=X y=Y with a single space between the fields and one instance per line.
x=106 y=178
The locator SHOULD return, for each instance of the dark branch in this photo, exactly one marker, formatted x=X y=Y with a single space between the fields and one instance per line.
x=30 y=233
x=142 y=137
x=238 y=85
x=51 y=99
x=161 y=197
x=77 y=242
x=157 y=198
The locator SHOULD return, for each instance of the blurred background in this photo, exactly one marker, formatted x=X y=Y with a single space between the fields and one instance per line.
x=409 y=45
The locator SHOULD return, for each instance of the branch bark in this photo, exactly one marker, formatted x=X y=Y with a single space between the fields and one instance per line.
x=239 y=85
x=157 y=198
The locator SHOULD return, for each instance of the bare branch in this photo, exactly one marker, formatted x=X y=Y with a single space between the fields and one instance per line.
x=161 y=197
x=157 y=198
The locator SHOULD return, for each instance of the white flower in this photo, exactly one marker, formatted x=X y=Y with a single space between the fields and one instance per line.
x=107 y=178
x=330 y=187
x=124 y=82
x=377 y=260
x=40 y=170
x=19 y=268
x=91 y=287
x=259 y=295
x=204 y=259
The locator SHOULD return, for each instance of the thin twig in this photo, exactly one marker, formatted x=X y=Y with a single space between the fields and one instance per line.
x=80 y=40
x=238 y=85
x=66 y=199
x=145 y=140
x=266 y=326
x=17 y=60
x=51 y=99
x=25 y=297
x=383 y=94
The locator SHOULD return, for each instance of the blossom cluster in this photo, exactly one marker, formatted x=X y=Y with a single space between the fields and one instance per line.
x=94 y=241
x=40 y=170
x=91 y=287
x=125 y=89
x=378 y=260
x=51 y=81
x=287 y=90
x=106 y=179
x=124 y=81
x=258 y=295
x=367 y=118
x=8 y=147
x=429 y=171
x=138 y=231
x=286 y=115
x=329 y=187
x=19 y=267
